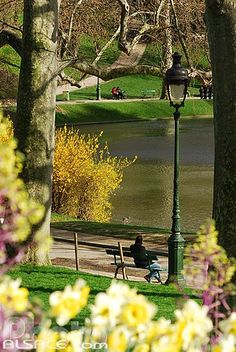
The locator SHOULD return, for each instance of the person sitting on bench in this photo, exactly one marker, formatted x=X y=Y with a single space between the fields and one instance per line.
x=141 y=260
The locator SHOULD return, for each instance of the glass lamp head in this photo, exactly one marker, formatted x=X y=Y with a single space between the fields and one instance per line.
x=177 y=81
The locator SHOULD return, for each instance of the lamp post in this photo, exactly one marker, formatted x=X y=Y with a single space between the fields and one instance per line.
x=98 y=89
x=177 y=81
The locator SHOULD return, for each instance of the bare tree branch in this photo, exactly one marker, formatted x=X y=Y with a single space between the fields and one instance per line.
x=69 y=79
x=104 y=48
x=203 y=76
x=124 y=25
x=7 y=62
x=109 y=73
x=68 y=39
x=180 y=35
x=124 y=44
x=11 y=38
x=4 y=24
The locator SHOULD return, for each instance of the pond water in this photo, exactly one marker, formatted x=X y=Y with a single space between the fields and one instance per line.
x=145 y=196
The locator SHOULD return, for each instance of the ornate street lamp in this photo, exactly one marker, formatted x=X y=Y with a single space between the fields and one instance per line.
x=177 y=82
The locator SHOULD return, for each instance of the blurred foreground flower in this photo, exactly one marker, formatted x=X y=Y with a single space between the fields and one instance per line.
x=17 y=211
x=67 y=304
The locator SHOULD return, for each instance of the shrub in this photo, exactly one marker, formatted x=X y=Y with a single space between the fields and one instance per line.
x=84 y=176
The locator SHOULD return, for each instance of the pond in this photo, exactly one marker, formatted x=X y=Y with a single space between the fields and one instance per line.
x=145 y=196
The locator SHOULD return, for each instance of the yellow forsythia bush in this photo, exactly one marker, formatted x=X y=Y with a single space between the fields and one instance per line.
x=84 y=176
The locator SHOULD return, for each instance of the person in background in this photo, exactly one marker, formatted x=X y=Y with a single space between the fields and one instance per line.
x=120 y=93
x=141 y=260
x=114 y=93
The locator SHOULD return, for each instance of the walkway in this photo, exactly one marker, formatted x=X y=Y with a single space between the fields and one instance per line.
x=94 y=260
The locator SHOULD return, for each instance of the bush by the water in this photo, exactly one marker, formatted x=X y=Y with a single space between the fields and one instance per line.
x=84 y=176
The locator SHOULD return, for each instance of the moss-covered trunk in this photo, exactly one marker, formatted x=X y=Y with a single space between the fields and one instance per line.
x=35 y=121
x=221 y=24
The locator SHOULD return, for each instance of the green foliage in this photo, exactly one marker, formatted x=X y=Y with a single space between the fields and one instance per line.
x=84 y=176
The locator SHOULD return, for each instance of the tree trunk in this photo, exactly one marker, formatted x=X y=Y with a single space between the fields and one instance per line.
x=221 y=24
x=35 y=122
x=168 y=49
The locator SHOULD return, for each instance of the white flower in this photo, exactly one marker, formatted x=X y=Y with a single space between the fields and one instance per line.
x=226 y=344
x=192 y=326
x=228 y=326
x=105 y=311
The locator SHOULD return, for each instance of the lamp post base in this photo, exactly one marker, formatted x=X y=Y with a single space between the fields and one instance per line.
x=175 y=260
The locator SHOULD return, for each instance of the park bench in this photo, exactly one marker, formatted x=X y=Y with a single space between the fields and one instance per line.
x=120 y=256
x=149 y=93
x=116 y=97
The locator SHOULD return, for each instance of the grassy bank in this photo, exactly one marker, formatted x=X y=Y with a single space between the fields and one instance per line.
x=123 y=111
x=125 y=231
x=43 y=280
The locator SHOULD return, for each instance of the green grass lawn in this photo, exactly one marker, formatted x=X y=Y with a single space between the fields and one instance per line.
x=127 y=111
x=43 y=280
x=133 y=85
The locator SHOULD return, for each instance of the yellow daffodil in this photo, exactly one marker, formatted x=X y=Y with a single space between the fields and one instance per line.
x=138 y=311
x=117 y=340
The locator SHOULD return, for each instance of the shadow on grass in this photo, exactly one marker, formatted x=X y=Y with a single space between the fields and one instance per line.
x=107 y=228
x=95 y=112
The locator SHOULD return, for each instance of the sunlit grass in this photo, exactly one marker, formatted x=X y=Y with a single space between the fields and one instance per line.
x=43 y=280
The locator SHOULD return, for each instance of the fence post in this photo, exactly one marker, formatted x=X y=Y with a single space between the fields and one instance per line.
x=76 y=250
x=122 y=260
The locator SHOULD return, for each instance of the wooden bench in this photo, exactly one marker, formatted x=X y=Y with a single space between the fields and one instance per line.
x=119 y=254
x=149 y=93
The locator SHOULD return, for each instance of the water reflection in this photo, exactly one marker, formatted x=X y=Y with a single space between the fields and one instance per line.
x=146 y=192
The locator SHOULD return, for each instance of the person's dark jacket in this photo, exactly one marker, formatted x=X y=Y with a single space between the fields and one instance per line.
x=139 y=254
